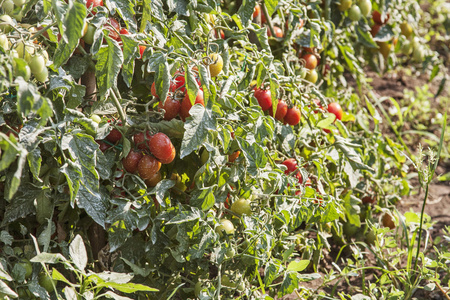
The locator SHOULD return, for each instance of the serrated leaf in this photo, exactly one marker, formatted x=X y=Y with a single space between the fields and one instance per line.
x=289 y=284
x=127 y=287
x=185 y=216
x=5 y=290
x=125 y=8
x=109 y=61
x=130 y=53
x=245 y=11
x=48 y=258
x=203 y=199
x=78 y=253
x=196 y=129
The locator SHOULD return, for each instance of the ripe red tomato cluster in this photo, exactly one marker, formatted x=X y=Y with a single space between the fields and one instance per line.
x=173 y=106
x=310 y=61
x=283 y=113
x=378 y=23
x=149 y=153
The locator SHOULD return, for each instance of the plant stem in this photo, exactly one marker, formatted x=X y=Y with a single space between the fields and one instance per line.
x=119 y=107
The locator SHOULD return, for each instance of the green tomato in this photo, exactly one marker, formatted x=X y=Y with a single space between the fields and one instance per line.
x=7 y=20
x=204 y=156
x=8 y=7
x=89 y=35
x=27 y=266
x=312 y=76
x=230 y=252
x=371 y=237
x=25 y=72
x=350 y=230
x=406 y=29
x=344 y=5
x=227 y=282
x=96 y=118
x=407 y=47
x=418 y=54
x=225 y=225
x=241 y=286
x=4 y=42
x=37 y=64
x=25 y=51
x=46 y=282
x=19 y=2
x=365 y=6
x=43 y=76
x=354 y=13
x=242 y=206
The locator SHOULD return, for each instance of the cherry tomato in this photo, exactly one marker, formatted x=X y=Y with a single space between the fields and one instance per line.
x=46 y=282
x=123 y=31
x=375 y=28
x=264 y=98
x=26 y=264
x=384 y=48
x=96 y=118
x=37 y=64
x=256 y=11
x=148 y=166
x=113 y=33
x=216 y=65
x=365 y=6
x=291 y=165
x=277 y=30
x=241 y=207
x=153 y=181
x=114 y=136
x=103 y=146
x=281 y=110
x=140 y=139
x=153 y=89
x=186 y=105
x=406 y=29
x=93 y=3
x=225 y=225
x=131 y=161
x=376 y=16
x=162 y=148
x=368 y=199
x=344 y=5
x=88 y=37
x=172 y=108
x=234 y=156
x=42 y=76
x=335 y=109
x=310 y=61
x=293 y=116
x=354 y=13
x=141 y=51
x=178 y=83
x=312 y=76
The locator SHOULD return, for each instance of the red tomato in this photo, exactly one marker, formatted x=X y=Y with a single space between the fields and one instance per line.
x=93 y=3
x=114 y=136
x=310 y=61
x=234 y=156
x=153 y=89
x=141 y=51
x=153 y=181
x=264 y=98
x=277 y=30
x=178 y=83
x=336 y=109
x=291 y=165
x=123 y=31
x=293 y=116
x=131 y=161
x=186 y=104
x=113 y=33
x=172 y=108
x=376 y=16
x=140 y=139
x=375 y=29
x=103 y=146
x=256 y=11
x=162 y=148
x=281 y=110
x=148 y=166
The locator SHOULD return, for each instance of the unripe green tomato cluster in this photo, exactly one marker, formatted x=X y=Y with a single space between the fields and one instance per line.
x=35 y=59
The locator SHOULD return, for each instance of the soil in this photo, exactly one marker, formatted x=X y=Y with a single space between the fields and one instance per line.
x=437 y=205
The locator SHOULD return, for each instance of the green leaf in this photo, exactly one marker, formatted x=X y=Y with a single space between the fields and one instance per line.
x=271 y=6
x=254 y=155
x=125 y=8
x=15 y=182
x=245 y=11
x=196 y=129
x=289 y=284
x=146 y=13
x=203 y=199
x=27 y=95
x=9 y=151
x=351 y=155
x=191 y=85
x=56 y=275
x=330 y=214
x=325 y=123
x=364 y=37
x=161 y=189
x=22 y=204
x=109 y=61
x=263 y=39
x=270 y=273
x=185 y=216
x=78 y=253
x=48 y=258
x=130 y=53
x=5 y=290
x=73 y=24
x=298 y=266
